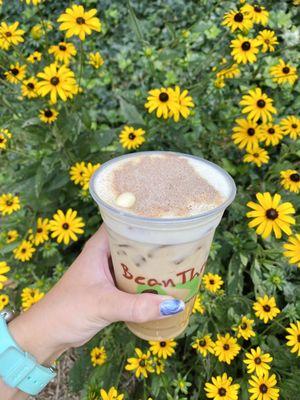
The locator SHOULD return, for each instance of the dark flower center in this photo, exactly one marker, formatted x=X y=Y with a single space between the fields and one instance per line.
x=62 y=47
x=298 y=338
x=163 y=344
x=255 y=155
x=257 y=9
x=294 y=126
x=23 y=251
x=251 y=131
x=211 y=281
x=9 y=203
x=238 y=17
x=80 y=20
x=202 y=342
x=35 y=58
x=285 y=70
x=226 y=346
x=267 y=308
x=271 y=131
x=246 y=46
x=131 y=136
x=222 y=392
x=295 y=177
x=267 y=41
x=244 y=326
x=39 y=230
x=65 y=226
x=257 y=360
x=54 y=81
x=48 y=113
x=14 y=71
x=271 y=213
x=163 y=97
x=1 y=139
x=142 y=363
x=263 y=388
x=261 y=103
x=30 y=86
x=8 y=34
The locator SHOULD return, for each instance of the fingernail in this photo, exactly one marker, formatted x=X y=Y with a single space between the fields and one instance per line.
x=171 y=306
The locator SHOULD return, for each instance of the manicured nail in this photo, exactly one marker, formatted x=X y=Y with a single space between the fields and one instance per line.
x=171 y=306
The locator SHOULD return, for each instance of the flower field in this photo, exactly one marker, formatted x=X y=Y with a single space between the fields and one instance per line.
x=84 y=82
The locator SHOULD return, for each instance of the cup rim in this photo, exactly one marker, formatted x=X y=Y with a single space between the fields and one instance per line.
x=124 y=214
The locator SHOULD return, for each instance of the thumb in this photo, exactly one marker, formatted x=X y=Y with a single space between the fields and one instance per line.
x=121 y=306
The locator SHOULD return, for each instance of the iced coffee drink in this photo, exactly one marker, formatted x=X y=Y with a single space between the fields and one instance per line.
x=161 y=210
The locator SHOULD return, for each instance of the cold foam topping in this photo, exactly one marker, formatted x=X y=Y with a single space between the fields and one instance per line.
x=161 y=186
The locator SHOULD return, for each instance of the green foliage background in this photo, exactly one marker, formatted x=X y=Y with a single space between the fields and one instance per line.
x=143 y=48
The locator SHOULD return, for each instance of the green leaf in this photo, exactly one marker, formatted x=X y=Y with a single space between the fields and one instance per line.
x=135 y=23
x=131 y=113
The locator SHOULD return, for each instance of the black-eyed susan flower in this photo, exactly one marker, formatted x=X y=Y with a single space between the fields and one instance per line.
x=29 y=88
x=258 y=106
x=267 y=40
x=131 y=138
x=12 y=236
x=9 y=203
x=283 y=73
x=203 y=345
x=212 y=282
x=257 y=13
x=24 y=251
x=48 y=115
x=236 y=19
x=269 y=214
x=244 y=49
x=88 y=173
x=16 y=73
x=66 y=227
x=112 y=394
x=41 y=232
x=98 y=356
x=265 y=308
x=158 y=364
x=36 y=56
x=219 y=82
x=30 y=296
x=198 y=306
x=245 y=134
x=229 y=72
x=291 y=126
x=244 y=328
x=33 y=2
x=76 y=21
x=5 y=134
x=290 y=180
x=257 y=156
x=4 y=300
x=63 y=52
x=162 y=100
x=163 y=349
x=57 y=81
x=226 y=348
x=4 y=268
x=270 y=134
x=184 y=101
x=292 y=248
x=263 y=387
x=76 y=173
x=222 y=388
x=293 y=339
x=10 y=35
x=257 y=362
x=141 y=364
x=96 y=60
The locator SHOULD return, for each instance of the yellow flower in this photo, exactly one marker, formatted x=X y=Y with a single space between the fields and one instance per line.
x=293 y=337
x=267 y=39
x=269 y=215
x=58 y=81
x=98 y=356
x=290 y=180
x=292 y=248
x=235 y=19
x=265 y=308
x=77 y=21
x=296 y=2
x=158 y=364
x=30 y=296
x=29 y=88
x=284 y=73
x=291 y=126
x=141 y=364
x=63 y=52
x=198 y=306
x=229 y=72
x=244 y=49
x=163 y=101
x=11 y=236
x=76 y=173
x=64 y=227
x=96 y=60
x=212 y=282
x=10 y=35
x=246 y=134
x=4 y=300
x=219 y=82
x=270 y=134
x=33 y=2
x=4 y=268
x=257 y=156
x=258 y=106
x=4 y=136
x=131 y=138
x=24 y=251
x=9 y=203
x=204 y=345
x=163 y=349
x=244 y=329
x=112 y=394
x=257 y=13
x=262 y=388
x=34 y=57
x=222 y=388
x=184 y=101
x=36 y=32
x=42 y=232
x=16 y=73
x=226 y=348
x=257 y=361
x=48 y=115
x=88 y=173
